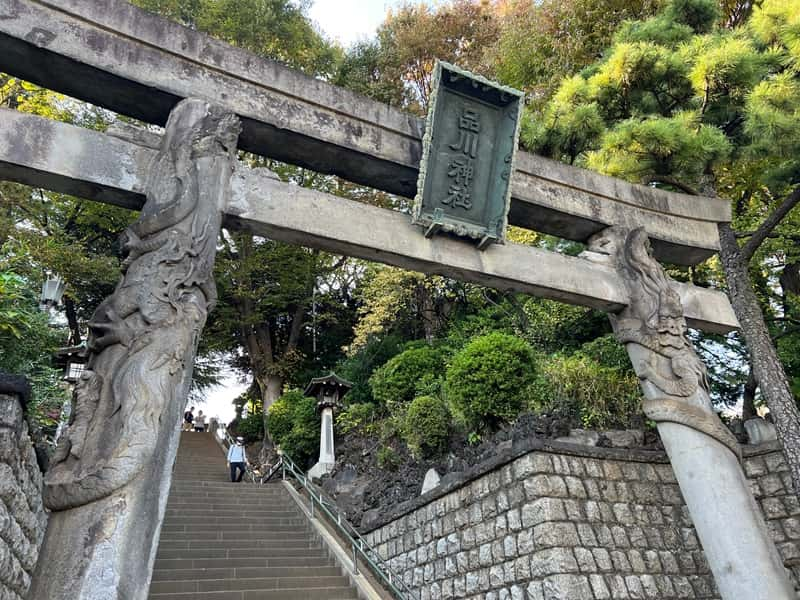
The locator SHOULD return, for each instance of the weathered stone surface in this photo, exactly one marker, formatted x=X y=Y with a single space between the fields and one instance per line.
x=760 y=431
x=110 y=474
x=628 y=548
x=22 y=515
x=629 y=438
x=581 y=436
x=96 y=166
x=130 y=58
x=703 y=452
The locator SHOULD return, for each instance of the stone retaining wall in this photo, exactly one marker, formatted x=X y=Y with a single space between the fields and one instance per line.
x=22 y=516
x=558 y=521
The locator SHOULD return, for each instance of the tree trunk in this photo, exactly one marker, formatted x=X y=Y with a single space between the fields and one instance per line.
x=271 y=389
x=767 y=367
x=749 y=396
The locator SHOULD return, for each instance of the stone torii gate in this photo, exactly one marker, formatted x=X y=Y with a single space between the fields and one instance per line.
x=108 y=486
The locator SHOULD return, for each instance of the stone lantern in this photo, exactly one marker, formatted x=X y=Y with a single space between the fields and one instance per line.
x=328 y=391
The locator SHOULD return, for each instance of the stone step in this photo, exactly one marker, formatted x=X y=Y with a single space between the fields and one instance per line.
x=234 y=525
x=268 y=500
x=205 y=511
x=250 y=583
x=325 y=593
x=236 y=544
x=288 y=554
x=244 y=573
x=242 y=497
x=237 y=491
x=306 y=560
x=265 y=535
x=233 y=504
x=189 y=484
x=237 y=541
x=214 y=518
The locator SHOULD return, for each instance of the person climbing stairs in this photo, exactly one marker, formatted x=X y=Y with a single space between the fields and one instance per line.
x=237 y=541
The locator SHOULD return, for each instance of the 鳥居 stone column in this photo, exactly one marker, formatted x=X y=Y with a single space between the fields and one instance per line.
x=108 y=484
x=704 y=454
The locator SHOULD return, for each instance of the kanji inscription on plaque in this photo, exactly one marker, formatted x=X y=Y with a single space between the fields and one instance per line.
x=467 y=158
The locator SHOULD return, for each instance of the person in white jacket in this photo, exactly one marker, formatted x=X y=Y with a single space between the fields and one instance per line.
x=237 y=459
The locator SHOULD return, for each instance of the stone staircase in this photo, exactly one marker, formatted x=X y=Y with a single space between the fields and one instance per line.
x=227 y=541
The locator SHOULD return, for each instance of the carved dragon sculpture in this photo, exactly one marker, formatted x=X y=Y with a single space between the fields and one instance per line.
x=654 y=321
x=143 y=337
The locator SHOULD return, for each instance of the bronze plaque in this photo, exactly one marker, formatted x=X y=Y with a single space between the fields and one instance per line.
x=467 y=156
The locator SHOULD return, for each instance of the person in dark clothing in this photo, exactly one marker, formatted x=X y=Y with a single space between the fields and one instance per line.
x=237 y=459
x=188 y=419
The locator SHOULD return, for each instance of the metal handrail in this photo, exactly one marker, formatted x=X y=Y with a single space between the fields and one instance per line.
x=359 y=545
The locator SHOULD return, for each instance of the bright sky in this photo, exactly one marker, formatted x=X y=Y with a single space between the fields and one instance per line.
x=345 y=21
x=348 y=21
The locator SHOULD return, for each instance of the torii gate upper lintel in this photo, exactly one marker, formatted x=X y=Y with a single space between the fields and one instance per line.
x=130 y=61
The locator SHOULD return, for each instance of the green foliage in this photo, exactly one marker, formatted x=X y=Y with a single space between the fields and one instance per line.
x=388 y=458
x=394 y=384
x=679 y=146
x=357 y=417
x=555 y=326
x=700 y=15
x=293 y=425
x=27 y=343
x=251 y=428
x=608 y=352
x=541 y=42
x=277 y=29
x=358 y=367
x=599 y=396
x=486 y=381
x=427 y=424
x=687 y=105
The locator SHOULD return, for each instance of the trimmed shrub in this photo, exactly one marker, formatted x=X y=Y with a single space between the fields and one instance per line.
x=427 y=424
x=394 y=384
x=251 y=428
x=487 y=380
x=294 y=425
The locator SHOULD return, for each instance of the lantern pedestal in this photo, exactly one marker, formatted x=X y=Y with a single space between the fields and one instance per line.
x=328 y=391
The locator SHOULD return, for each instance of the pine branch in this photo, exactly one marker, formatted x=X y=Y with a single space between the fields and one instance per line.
x=674 y=183
x=772 y=221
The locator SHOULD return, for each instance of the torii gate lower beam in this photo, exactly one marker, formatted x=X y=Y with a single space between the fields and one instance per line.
x=83 y=162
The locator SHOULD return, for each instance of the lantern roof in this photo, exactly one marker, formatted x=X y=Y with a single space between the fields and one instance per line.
x=331 y=379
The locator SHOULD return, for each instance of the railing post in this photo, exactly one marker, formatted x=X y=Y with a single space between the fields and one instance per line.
x=311 y=501
x=355 y=559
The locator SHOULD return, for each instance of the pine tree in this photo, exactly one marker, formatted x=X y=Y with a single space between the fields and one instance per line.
x=680 y=102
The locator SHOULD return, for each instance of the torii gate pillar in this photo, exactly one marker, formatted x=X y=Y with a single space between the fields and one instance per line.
x=109 y=481
x=704 y=454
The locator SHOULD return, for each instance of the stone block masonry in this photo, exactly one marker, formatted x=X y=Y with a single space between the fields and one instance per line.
x=563 y=522
x=22 y=515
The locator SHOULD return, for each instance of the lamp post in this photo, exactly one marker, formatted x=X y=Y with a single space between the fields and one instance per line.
x=328 y=391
